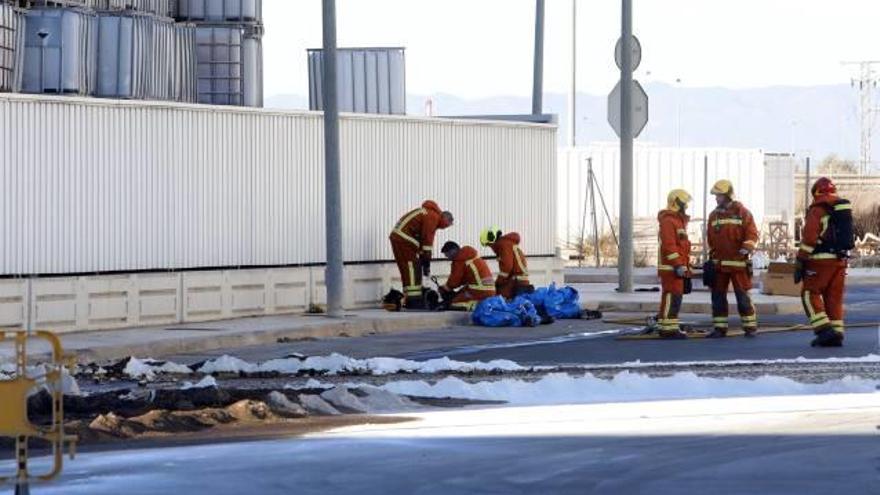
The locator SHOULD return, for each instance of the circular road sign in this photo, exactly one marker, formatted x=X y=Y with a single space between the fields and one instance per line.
x=636 y=53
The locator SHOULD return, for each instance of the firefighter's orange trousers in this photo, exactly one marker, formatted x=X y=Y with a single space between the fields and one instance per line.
x=822 y=294
x=742 y=283
x=406 y=255
x=670 y=301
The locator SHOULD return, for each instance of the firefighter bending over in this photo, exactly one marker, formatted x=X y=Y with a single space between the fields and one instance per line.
x=470 y=279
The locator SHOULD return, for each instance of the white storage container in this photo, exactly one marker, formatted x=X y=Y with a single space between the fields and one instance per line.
x=60 y=51
x=220 y=10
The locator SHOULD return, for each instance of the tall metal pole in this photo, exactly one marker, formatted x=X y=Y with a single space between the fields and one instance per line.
x=572 y=98
x=807 y=198
x=705 y=256
x=538 y=73
x=333 y=275
x=625 y=256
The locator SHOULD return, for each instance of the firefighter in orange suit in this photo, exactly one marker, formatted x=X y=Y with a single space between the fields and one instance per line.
x=412 y=242
x=732 y=239
x=673 y=265
x=822 y=261
x=513 y=270
x=470 y=280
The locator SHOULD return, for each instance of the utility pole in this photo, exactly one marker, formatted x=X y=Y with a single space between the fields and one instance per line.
x=866 y=84
x=625 y=250
x=572 y=99
x=333 y=275
x=538 y=72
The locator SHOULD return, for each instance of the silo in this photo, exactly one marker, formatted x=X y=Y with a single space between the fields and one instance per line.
x=370 y=80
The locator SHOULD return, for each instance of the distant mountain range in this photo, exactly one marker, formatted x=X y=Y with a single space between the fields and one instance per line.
x=812 y=120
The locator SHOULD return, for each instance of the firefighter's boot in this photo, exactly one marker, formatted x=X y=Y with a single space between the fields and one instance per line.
x=827 y=337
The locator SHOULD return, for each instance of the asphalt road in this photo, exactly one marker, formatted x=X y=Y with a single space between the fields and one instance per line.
x=583 y=342
x=778 y=445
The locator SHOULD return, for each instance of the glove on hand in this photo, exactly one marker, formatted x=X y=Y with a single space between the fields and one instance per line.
x=680 y=271
x=798 y=272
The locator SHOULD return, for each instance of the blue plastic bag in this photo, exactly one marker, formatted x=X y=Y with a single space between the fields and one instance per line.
x=496 y=312
x=561 y=303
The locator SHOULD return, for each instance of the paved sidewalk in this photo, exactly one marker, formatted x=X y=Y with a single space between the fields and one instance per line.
x=605 y=298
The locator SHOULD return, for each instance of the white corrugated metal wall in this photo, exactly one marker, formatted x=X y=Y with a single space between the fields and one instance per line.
x=96 y=185
x=656 y=170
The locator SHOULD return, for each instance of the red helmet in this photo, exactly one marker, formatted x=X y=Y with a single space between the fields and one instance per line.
x=823 y=186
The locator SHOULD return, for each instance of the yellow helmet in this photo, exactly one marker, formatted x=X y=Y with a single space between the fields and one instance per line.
x=489 y=236
x=724 y=187
x=676 y=198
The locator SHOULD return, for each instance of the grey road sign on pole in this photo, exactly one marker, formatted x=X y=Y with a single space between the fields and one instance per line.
x=639 y=109
x=636 y=48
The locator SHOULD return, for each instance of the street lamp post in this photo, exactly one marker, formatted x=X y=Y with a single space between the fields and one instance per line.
x=334 y=274
x=625 y=250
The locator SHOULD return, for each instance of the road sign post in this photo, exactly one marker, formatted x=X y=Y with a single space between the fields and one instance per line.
x=625 y=249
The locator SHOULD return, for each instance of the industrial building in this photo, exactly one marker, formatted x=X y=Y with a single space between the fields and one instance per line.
x=205 y=51
x=151 y=213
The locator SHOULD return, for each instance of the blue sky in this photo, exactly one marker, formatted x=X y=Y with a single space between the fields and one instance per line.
x=479 y=48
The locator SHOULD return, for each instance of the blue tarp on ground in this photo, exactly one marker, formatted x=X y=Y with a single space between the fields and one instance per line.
x=496 y=312
x=561 y=303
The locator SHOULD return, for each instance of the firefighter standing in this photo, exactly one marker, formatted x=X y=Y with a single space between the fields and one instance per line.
x=412 y=242
x=732 y=238
x=826 y=239
x=470 y=276
x=673 y=266
x=513 y=271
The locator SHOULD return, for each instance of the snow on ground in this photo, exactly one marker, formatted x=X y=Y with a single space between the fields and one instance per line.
x=335 y=364
x=339 y=364
x=206 y=382
x=148 y=368
x=561 y=388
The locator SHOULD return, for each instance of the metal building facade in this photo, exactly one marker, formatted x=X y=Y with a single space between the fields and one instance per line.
x=97 y=185
x=657 y=170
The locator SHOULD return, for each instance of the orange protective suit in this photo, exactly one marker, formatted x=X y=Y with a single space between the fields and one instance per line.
x=824 y=272
x=513 y=270
x=472 y=275
x=675 y=251
x=732 y=230
x=412 y=242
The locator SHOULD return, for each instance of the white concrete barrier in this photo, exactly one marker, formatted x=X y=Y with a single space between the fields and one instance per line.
x=65 y=304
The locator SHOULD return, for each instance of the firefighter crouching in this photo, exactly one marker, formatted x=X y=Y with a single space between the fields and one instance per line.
x=826 y=240
x=412 y=242
x=470 y=279
x=732 y=238
x=513 y=270
x=673 y=266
